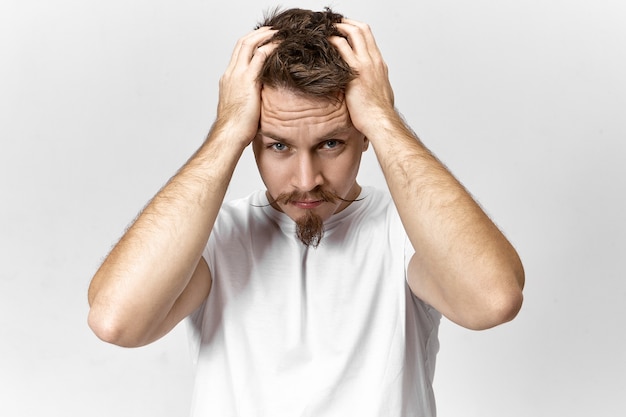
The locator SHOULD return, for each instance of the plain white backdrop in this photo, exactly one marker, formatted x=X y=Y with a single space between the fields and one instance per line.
x=101 y=102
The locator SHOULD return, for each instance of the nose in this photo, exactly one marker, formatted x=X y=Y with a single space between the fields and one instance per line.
x=308 y=173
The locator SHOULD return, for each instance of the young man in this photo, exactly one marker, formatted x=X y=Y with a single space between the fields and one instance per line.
x=317 y=296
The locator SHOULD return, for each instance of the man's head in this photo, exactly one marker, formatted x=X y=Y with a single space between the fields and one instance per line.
x=307 y=150
x=304 y=62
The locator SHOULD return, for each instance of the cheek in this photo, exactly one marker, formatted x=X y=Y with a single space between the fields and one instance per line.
x=272 y=173
x=342 y=173
x=350 y=165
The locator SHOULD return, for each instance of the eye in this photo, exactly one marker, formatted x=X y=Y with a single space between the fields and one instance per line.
x=331 y=144
x=278 y=146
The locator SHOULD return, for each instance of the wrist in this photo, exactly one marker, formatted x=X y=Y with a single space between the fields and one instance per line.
x=384 y=125
x=231 y=134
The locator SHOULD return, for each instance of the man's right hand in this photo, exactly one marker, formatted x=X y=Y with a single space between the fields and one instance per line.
x=155 y=275
x=239 y=104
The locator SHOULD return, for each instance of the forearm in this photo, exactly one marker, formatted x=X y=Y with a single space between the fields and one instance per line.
x=154 y=276
x=463 y=264
x=140 y=280
x=426 y=194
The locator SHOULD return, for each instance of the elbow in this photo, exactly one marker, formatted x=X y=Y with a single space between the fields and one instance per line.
x=114 y=324
x=112 y=330
x=494 y=314
x=505 y=309
x=498 y=308
x=104 y=329
x=506 y=297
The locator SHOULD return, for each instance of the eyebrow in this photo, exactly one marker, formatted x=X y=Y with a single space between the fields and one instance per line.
x=330 y=135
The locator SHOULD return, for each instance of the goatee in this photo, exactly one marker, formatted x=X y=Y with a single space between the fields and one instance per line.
x=310 y=229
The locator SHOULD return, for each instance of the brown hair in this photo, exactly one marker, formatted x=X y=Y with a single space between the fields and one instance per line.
x=304 y=61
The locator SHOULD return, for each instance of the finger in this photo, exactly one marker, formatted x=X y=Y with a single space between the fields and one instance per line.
x=345 y=50
x=244 y=42
x=252 y=42
x=260 y=55
x=360 y=36
x=354 y=36
x=244 y=49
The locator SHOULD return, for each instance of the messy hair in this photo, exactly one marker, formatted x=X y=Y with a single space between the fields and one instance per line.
x=304 y=61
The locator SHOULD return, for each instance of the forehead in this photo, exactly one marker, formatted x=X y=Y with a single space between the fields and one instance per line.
x=284 y=110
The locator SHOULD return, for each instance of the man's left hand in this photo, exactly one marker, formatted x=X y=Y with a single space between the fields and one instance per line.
x=369 y=96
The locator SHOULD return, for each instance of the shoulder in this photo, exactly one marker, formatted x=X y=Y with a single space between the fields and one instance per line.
x=240 y=210
x=378 y=207
x=372 y=216
x=243 y=218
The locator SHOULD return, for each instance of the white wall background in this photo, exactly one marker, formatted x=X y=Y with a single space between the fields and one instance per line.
x=100 y=102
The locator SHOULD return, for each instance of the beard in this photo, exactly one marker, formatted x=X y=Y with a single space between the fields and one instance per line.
x=310 y=229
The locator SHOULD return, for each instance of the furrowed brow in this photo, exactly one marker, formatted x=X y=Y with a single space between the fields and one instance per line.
x=272 y=136
x=330 y=135
x=335 y=132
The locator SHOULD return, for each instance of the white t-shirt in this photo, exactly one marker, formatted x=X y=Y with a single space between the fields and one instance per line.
x=329 y=331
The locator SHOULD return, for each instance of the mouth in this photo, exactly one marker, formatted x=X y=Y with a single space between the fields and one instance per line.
x=305 y=200
x=307 y=204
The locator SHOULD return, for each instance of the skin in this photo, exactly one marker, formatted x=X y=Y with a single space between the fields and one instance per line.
x=155 y=276
x=463 y=266
x=304 y=144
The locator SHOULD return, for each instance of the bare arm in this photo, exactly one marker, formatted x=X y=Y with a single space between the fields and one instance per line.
x=155 y=276
x=463 y=265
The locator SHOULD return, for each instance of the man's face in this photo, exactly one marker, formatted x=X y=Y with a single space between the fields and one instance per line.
x=307 y=147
